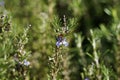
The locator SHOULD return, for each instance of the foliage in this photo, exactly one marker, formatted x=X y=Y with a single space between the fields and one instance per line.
x=59 y=40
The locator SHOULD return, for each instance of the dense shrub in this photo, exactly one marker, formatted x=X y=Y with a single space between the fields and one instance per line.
x=59 y=40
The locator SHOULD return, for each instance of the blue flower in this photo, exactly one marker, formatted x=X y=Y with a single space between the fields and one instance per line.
x=87 y=79
x=26 y=63
x=65 y=43
x=58 y=43
x=61 y=42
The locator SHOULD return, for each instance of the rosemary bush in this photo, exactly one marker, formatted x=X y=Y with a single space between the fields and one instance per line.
x=59 y=40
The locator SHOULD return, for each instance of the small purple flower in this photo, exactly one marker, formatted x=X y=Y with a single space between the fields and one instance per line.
x=26 y=63
x=87 y=79
x=61 y=42
x=65 y=43
x=58 y=43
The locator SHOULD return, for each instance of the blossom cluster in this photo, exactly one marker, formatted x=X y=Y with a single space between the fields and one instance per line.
x=61 y=41
x=24 y=62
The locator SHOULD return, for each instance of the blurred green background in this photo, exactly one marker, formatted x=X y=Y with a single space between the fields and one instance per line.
x=101 y=16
